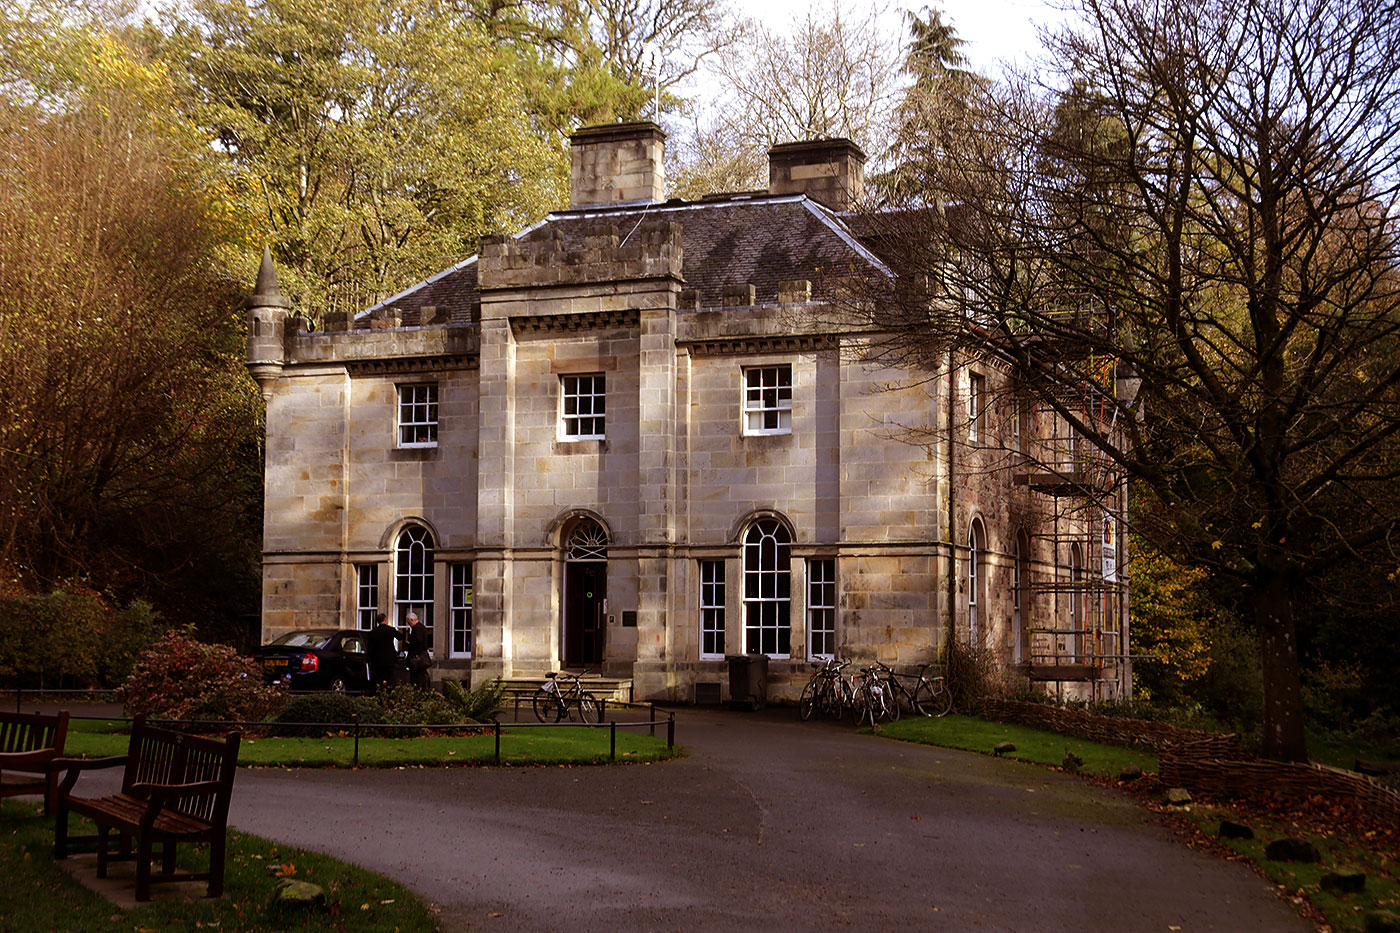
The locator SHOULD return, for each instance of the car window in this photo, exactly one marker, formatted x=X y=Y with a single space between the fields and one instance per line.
x=352 y=645
x=303 y=640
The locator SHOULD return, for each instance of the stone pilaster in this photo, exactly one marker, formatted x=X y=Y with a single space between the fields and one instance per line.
x=495 y=494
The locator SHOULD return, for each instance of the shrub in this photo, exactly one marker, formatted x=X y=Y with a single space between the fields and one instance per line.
x=126 y=637
x=182 y=678
x=410 y=706
x=972 y=671
x=1232 y=689
x=72 y=636
x=474 y=705
x=321 y=707
x=47 y=638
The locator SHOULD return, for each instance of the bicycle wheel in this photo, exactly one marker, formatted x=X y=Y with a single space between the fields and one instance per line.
x=546 y=704
x=829 y=700
x=586 y=706
x=807 y=703
x=889 y=701
x=934 y=698
x=860 y=706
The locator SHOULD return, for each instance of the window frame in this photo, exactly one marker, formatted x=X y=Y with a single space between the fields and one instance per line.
x=419 y=582
x=762 y=407
x=366 y=595
x=570 y=390
x=976 y=571
x=821 y=607
x=1077 y=616
x=711 y=574
x=461 y=596
x=767 y=593
x=976 y=407
x=406 y=403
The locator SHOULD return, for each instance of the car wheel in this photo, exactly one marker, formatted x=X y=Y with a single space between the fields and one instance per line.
x=338 y=685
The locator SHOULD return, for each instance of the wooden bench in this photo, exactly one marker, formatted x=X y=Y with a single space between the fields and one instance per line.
x=29 y=744
x=175 y=788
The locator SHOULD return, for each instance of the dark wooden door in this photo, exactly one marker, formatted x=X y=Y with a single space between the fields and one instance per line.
x=585 y=588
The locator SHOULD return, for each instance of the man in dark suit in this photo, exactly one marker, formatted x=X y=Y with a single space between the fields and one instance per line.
x=383 y=641
x=418 y=644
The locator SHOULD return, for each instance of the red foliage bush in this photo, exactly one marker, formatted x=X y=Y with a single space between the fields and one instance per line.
x=182 y=678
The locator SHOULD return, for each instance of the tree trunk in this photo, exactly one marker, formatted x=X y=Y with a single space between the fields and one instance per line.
x=1284 y=738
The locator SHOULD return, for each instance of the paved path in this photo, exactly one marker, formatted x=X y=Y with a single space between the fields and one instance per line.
x=767 y=822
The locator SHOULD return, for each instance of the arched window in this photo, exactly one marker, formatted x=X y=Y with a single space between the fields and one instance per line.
x=588 y=541
x=1020 y=599
x=767 y=589
x=413 y=575
x=976 y=572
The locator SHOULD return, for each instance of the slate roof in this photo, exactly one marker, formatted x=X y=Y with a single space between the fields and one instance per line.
x=756 y=239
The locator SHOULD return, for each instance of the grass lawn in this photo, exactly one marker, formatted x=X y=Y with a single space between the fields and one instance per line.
x=1339 y=849
x=38 y=895
x=1034 y=745
x=523 y=744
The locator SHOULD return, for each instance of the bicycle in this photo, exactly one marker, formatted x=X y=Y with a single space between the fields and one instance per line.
x=562 y=697
x=827 y=692
x=930 y=696
x=873 y=701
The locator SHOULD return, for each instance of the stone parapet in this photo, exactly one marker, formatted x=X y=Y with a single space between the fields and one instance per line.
x=759 y=321
x=653 y=250
x=338 y=346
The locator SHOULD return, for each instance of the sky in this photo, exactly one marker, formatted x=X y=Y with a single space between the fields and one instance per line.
x=994 y=30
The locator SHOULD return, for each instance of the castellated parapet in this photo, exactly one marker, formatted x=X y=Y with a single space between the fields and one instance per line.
x=652 y=250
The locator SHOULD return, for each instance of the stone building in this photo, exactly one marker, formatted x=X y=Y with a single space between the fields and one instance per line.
x=628 y=438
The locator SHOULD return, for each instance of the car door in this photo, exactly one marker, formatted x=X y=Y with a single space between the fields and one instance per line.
x=352 y=648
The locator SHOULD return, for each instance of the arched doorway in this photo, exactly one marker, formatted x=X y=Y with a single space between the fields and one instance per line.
x=585 y=593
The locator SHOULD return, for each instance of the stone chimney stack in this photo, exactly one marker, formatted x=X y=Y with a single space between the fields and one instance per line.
x=829 y=171
x=267 y=324
x=618 y=163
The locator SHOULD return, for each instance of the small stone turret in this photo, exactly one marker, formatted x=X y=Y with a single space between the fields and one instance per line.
x=267 y=324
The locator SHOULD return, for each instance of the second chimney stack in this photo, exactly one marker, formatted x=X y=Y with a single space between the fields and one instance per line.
x=829 y=171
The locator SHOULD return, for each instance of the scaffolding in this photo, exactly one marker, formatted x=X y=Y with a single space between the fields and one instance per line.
x=1077 y=614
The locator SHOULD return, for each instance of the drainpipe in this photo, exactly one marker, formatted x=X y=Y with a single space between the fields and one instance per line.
x=952 y=501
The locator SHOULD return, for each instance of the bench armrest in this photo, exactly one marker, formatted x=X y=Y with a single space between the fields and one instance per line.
x=72 y=767
x=37 y=759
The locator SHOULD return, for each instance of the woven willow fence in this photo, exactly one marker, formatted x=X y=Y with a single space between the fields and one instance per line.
x=1204 y=761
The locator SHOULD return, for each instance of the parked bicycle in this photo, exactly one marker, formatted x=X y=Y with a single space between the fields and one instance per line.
x=923 y=694
x=827 y=692
x=873 y=700
x=562 y=697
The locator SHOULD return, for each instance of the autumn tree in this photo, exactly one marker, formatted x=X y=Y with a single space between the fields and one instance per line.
x=657 y=44
x=1191 y=215
x=120 y=331
x=377 y=141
